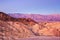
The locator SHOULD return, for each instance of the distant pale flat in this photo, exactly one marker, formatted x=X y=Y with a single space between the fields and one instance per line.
x=41 y=38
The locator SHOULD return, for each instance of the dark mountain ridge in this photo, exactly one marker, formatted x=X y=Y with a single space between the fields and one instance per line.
x=6 y=17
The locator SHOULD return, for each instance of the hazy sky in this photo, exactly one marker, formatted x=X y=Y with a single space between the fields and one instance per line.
x=30 y=6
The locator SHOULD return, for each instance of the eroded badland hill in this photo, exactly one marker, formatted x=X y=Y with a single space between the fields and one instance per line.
x=13 y=28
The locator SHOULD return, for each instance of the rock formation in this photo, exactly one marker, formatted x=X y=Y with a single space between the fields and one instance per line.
x=13 y=28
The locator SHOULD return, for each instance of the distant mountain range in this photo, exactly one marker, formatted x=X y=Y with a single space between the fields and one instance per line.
x=38 y=17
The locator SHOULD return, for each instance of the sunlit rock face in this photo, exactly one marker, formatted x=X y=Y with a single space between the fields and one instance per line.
x=47 y=29
x=51 y=29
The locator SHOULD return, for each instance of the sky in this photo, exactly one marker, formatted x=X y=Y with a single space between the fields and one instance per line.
x=30 y=6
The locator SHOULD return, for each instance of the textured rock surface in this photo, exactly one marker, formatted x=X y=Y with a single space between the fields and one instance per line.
x=14 y=30
x=51 y=29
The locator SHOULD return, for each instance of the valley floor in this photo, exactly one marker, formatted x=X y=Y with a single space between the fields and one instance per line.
x=41 y=38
